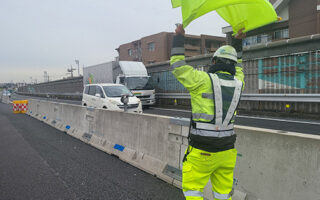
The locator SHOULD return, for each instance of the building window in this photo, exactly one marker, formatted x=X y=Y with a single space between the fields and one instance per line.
x=257 y=39
x=192 y=41
x=264 y=38
x=151 y=46
x=130 y=52
x=281 y=34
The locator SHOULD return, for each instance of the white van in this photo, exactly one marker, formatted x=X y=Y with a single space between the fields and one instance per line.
x=6 y=93
x=108 y=96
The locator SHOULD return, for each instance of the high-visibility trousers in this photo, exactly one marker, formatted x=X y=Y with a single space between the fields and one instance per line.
x=202 y=165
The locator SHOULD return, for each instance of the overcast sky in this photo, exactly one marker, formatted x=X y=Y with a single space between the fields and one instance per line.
x=43 y=35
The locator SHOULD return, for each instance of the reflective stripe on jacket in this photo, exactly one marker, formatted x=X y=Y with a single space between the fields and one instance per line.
x=211 y=131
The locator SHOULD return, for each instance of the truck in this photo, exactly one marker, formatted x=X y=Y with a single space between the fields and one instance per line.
x=129 y=73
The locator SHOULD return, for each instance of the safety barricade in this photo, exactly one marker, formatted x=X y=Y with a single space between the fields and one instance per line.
x=20 y=106
x=15 y=106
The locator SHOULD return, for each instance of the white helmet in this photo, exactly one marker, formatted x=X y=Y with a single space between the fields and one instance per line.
x=227 y=52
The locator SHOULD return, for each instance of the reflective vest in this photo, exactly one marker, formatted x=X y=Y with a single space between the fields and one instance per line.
x=214 y=98
x=218 y=134
x=226 y=96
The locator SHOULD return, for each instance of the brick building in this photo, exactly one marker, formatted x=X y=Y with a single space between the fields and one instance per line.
x=299 y=18
x=157 y=47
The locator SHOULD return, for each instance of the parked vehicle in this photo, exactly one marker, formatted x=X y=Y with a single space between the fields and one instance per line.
x=131 y=74
x=6 y=93
x=108 y=96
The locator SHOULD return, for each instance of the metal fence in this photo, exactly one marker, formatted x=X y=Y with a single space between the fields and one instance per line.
x=302 y=98
x=282 y=76
x=165 y=82
x=297 y=73
x=287 y=74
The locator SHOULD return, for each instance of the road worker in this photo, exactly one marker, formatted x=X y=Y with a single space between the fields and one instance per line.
x=214 y=98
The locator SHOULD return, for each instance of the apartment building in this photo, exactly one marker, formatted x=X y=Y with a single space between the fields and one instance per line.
x=157 y=47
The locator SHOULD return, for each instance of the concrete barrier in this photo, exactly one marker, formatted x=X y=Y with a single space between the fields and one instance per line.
x=278 y=165
x=5 y=99
x=145 y=141
x=270 y=165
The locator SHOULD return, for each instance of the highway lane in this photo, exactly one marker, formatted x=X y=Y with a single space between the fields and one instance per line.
x=292 y=125
x=40 y=162
x=287 y=125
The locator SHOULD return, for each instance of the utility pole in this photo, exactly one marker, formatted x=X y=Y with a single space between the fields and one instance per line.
x=71 y=71
x=77 y=62
x=45 y=76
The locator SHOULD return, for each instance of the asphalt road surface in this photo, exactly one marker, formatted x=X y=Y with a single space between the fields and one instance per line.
x=292 y=125
x=40 y=162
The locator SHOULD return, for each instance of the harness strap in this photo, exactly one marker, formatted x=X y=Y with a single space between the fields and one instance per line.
x=217 y=99
x=211 y=127
x=221 y=124
x=234 y=103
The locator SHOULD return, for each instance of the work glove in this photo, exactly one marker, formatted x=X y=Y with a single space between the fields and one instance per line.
x=180 y=30
x=178 y=39
x=237 y=42
x=240 y=35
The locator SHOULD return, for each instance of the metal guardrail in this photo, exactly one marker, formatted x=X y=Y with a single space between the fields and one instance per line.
x=172 y=95
x=307 y=98
x=77 y=96
x=302 y=98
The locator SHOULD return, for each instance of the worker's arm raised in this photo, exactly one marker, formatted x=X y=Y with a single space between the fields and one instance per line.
x=189 y=77
x=237 y=44
x=239 y=73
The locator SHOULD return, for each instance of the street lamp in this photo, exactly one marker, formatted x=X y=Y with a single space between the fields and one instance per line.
x=77 y=62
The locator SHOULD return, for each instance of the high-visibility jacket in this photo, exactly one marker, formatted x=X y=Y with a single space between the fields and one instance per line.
x=214 y=98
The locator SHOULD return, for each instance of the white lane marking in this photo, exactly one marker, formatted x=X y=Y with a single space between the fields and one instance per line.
x=281 y=120
x=242 y=116
x=187 y=111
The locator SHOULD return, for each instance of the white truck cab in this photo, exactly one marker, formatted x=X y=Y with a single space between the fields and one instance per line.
x=140 y=87
x=134 y=75
x=108 y=96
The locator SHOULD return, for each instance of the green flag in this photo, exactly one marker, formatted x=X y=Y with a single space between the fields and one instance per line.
x=176 y=3
x=247 y=14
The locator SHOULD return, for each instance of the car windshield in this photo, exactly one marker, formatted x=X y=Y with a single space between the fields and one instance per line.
x=117 y=91
x=139 y=83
